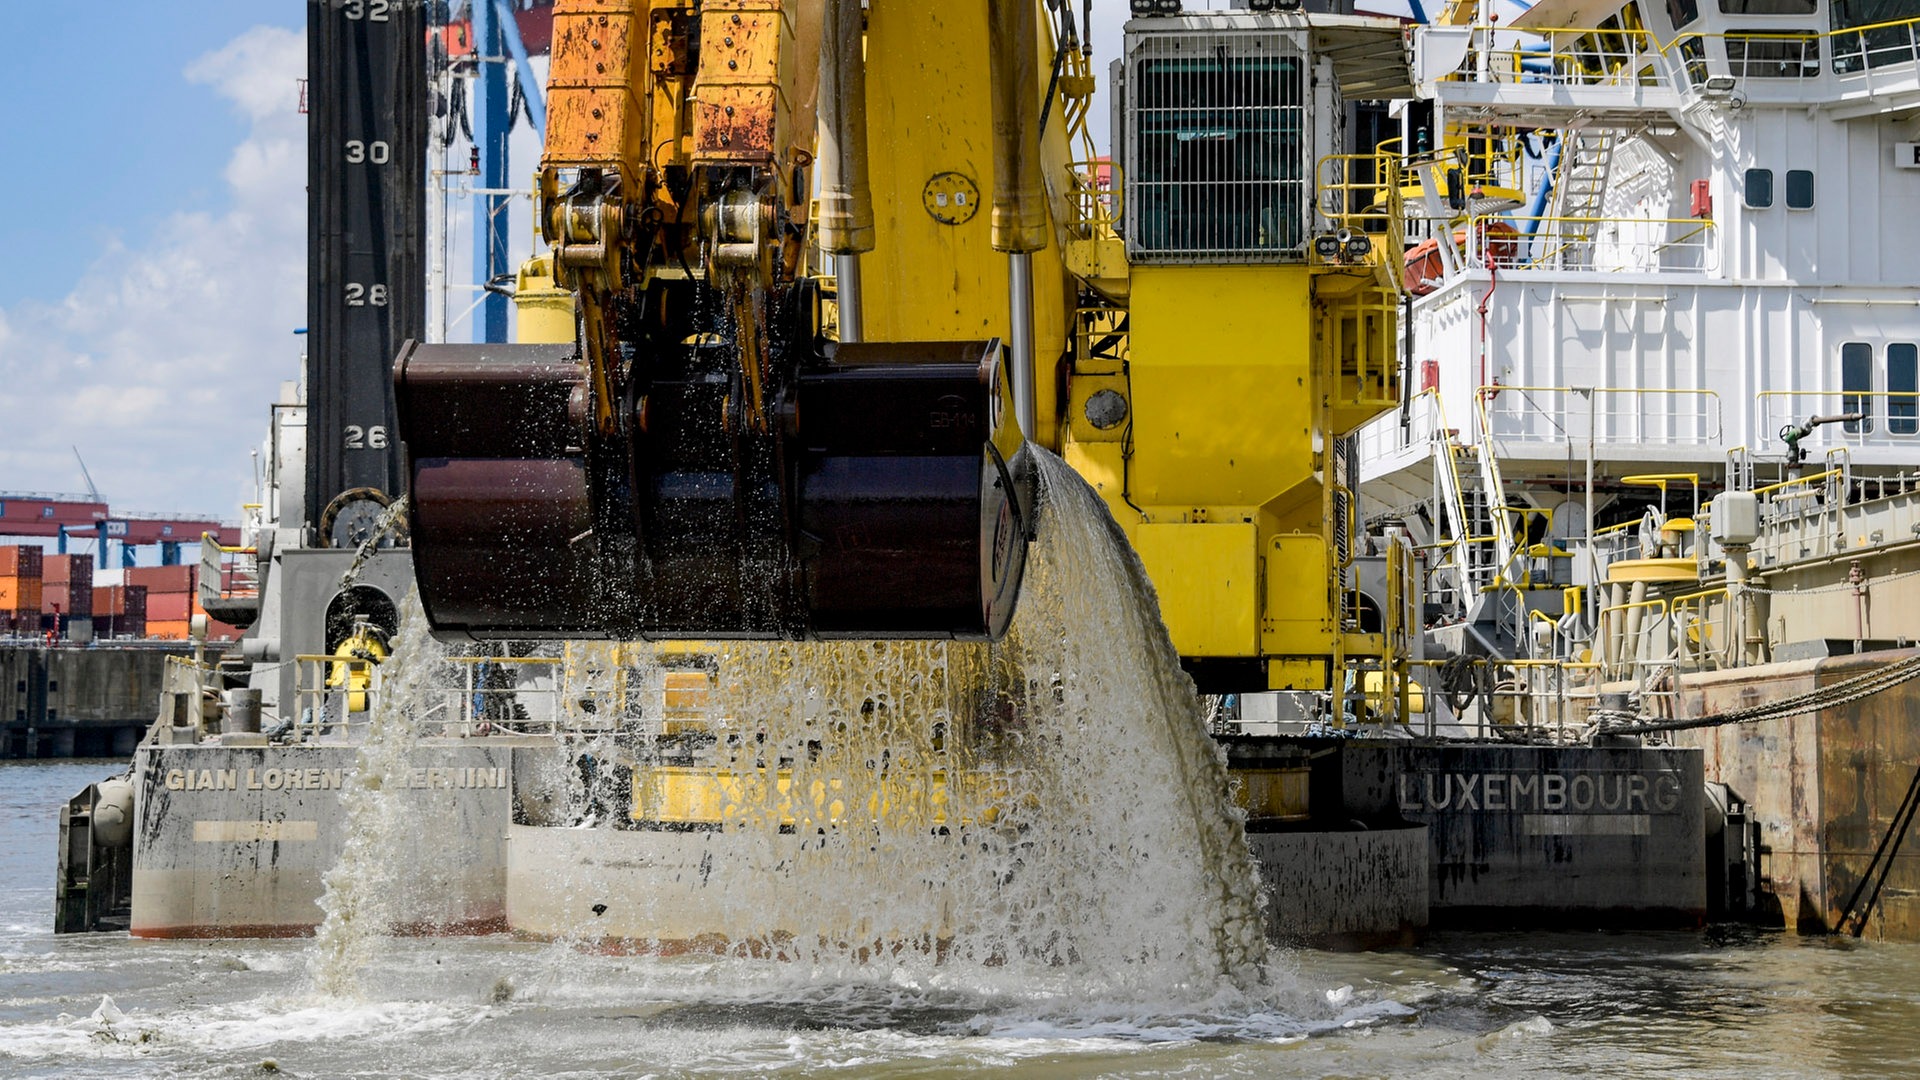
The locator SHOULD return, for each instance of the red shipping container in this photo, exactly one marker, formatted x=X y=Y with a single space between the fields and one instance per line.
x=66 y=599
x=77 y=569
x=169 y=606
x=20 y=560
x=161 y=579
x=111 y=600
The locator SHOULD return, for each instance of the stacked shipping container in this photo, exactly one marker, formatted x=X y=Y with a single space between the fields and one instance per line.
x=120 y=611
x=40 y=592
x=173 y=600
x=170 y=598
x=20 y=589
x=67 y=585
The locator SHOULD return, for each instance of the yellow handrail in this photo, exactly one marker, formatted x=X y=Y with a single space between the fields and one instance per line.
x=1796 y=481
x=1601 y=55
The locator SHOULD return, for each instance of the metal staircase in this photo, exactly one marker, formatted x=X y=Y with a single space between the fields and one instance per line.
x=1579 y=192
x=1475 y=522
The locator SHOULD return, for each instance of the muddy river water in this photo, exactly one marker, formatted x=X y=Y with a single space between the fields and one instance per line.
x=1720 y=1003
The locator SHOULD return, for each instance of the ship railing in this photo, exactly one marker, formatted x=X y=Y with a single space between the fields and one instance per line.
x=470 y=696
x=335 y=698
x=1889 y=418
x=1630 y=632
x=235 y=566
x=1700 y=629
x=1566 y=56
x=1801 y=516
x=1613 y=543
x=1359 y=218
x=1459 y=546
x=1746 y=54
x=1740 y=468
x=1484 y=154
x=1589 y=245
x=1860 y=49
x=1607 y=414
x=1486 y=697
x=1853 y=53
x=1698 y=60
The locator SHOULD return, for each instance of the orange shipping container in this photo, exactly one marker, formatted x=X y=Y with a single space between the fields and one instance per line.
x=68 y=599
x=169 y=607
x=20 y=594
x=169 y=630
x=159 y=579
x=20 y=560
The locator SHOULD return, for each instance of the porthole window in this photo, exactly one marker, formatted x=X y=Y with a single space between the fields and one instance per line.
x=1799 y=189
x=1759 y=188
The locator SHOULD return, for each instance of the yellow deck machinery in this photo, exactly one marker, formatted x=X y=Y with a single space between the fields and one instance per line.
x=837 y=264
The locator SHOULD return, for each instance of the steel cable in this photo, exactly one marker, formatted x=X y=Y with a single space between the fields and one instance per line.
x=1845 y=692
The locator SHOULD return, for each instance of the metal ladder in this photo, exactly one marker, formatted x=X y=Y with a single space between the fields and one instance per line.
x=1463 y=512
x=1494 y=485
x=1579 y=192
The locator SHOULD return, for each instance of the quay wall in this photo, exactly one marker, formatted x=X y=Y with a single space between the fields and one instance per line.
x=68 y=701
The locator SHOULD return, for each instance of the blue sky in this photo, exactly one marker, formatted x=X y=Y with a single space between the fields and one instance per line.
x=104 y=134
x=155 y=243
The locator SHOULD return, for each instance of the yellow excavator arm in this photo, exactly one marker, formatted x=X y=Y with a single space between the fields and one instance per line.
x=720 y=453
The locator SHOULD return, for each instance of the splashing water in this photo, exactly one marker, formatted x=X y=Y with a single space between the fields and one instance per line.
x=1049 y=803
x=363 y=898
x=1160 y=852
x=1044 y=814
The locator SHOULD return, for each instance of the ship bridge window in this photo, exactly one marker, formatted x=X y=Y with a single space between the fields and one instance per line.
x=1219 y=149
x=1758 y=190
x=1682 y=12
x=1773 y=54
x=1768 y=7
x=1872 y=33
x=1693 y=52
x=1856 y=386
x=1799 y=189
x=1903 y=388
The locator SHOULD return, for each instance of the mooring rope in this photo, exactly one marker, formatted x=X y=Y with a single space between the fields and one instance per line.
x=1844 y=692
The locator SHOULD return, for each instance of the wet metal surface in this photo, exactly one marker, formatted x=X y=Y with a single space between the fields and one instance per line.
x=1824 y=788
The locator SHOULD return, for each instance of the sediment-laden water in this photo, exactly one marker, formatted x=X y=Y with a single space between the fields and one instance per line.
x=1057 y=887
x=1488 y=1006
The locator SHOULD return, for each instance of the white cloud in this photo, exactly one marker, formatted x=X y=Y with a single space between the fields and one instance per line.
x=161 y=361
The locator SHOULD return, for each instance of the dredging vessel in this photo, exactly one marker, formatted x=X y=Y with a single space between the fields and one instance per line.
x=792 y=382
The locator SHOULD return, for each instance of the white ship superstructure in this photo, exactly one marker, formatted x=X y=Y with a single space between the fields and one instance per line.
x=1664 y=238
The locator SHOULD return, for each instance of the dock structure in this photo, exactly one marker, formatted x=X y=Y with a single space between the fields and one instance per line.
x=68 y=701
